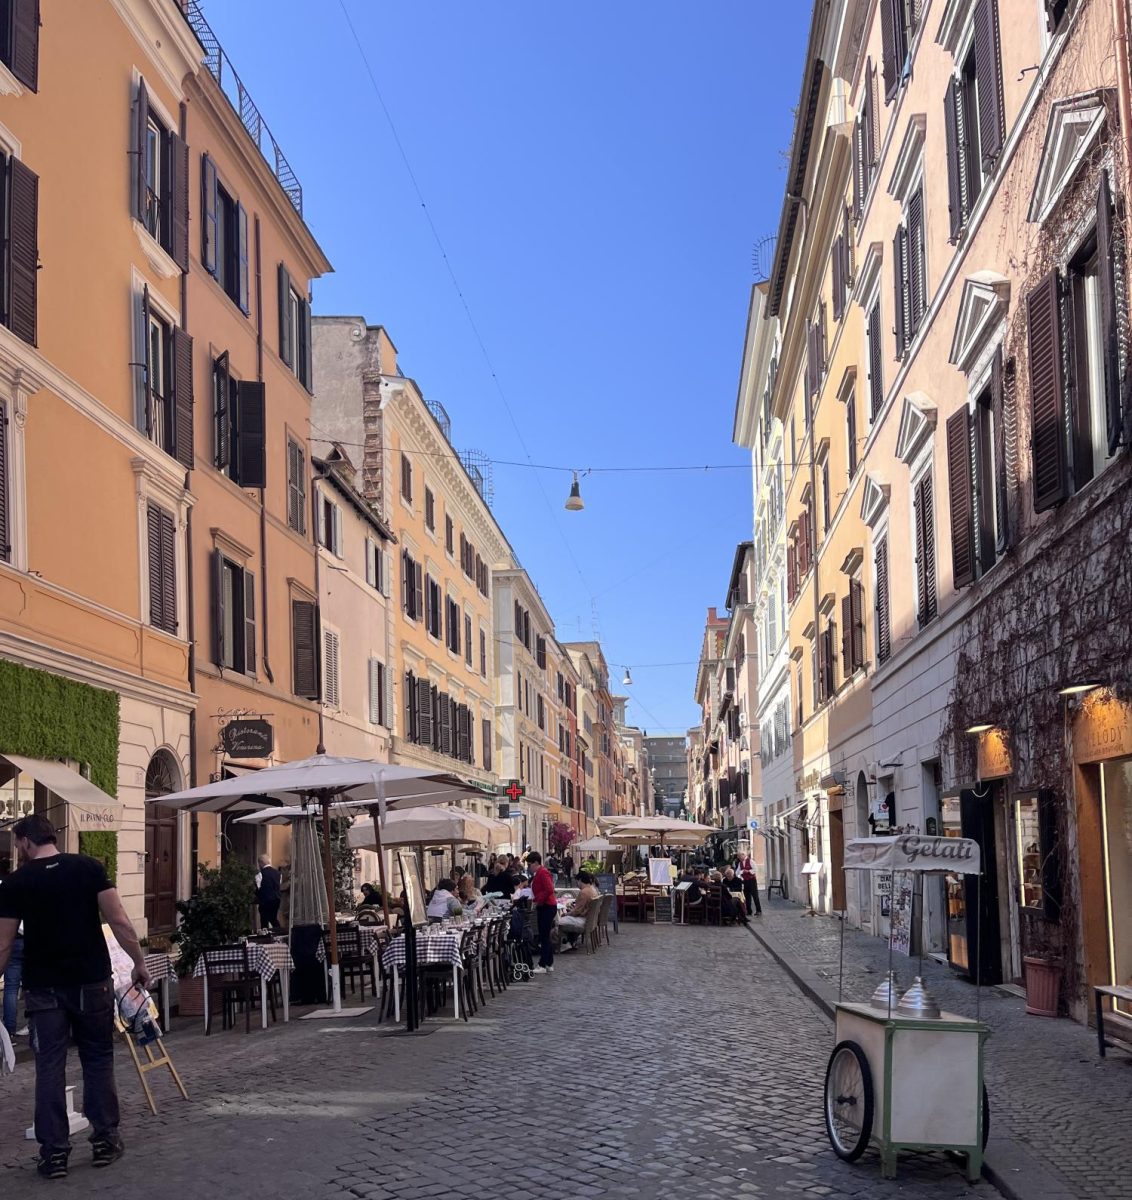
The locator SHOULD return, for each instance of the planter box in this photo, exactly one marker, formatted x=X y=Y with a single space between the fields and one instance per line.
x=1043 y=986
x=190 y=996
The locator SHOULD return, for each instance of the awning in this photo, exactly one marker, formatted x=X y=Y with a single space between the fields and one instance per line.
x=88 y=807
x=914 y=852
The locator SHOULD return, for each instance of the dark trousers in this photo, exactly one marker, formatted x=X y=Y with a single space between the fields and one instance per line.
x=545 y=914
x=269 y=915
x=55 y=1015
x=751 y=895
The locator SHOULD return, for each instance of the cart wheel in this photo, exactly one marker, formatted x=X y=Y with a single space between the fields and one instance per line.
x=986 y=1117
x=848 y=1101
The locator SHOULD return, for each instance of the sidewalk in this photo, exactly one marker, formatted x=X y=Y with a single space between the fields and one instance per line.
x=1061 y=1117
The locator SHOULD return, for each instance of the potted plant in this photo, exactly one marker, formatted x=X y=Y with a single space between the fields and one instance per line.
x=1041 y=964
x=217 y=915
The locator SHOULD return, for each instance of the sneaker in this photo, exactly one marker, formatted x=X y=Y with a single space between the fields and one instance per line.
x=106 y=1150
x=53 y=1165
x=22 y=1032
x=549 y=969
x=539 y=970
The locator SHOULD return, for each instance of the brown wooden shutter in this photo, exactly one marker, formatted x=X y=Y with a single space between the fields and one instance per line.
x=160 y=531
x=1106 y=282
x=876 y=380
x=243 y=282
x=183 y=398
x=791 y=571
x=141 y=139
x=249 y=622
x=847 y=665
x=1047 y=394
x=960 y=495
x=857 y=616
x=838 y=282
x=286 y=342
x=306 y=365
x=445 y=725
x=988 y=72
x=424 y=712
x=870 y=123
x=951 y=103
x=884 y=628
x=900 y=285
x=1002 y=465
x=208 y=205
x=23 y=250
x=859 y=164
x=252 y=424
x=851 y=433
x=925 y=548
x=24 y=47
x=179 y=201
x=890 y=38
x=5 y=521
x=916 y=266
x=218 y=614
x=304 y=649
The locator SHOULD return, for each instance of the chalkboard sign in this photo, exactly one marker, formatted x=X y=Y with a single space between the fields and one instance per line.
x=663 y=909
x=606 y=884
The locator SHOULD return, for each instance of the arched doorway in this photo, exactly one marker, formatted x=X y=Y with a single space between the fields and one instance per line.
x=162 y=776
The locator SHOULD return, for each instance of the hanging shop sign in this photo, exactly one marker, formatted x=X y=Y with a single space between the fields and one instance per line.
x=1103 y=730
x=246 y=738
x=89 y=816
x=993 y=753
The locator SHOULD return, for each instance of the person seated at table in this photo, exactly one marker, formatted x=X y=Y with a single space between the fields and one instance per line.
x=500 y=879
x=572 y=925
x=467 y=891
x=444 y=902
x=733 y=908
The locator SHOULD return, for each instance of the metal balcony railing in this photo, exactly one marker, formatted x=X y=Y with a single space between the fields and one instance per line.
x=221 y=69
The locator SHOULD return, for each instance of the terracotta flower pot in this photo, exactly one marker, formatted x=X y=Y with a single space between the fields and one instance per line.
x=190 y=996
x=1043 y=986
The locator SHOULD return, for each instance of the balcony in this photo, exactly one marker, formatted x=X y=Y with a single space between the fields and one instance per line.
x=221 y=69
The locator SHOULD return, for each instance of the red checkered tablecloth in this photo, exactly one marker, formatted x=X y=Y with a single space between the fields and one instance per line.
x=265 y=958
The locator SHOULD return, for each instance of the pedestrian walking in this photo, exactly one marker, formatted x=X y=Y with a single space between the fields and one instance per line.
x=750 y=885
x=546 y=909
x=62 y=900
x=268 y=894
x=568 y=867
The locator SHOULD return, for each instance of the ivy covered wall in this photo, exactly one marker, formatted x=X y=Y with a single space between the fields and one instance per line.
x=46 y=716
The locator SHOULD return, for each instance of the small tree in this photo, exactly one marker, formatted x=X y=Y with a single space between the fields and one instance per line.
x=560 y=836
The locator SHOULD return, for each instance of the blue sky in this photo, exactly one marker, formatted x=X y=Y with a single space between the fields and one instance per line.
x=599 y=174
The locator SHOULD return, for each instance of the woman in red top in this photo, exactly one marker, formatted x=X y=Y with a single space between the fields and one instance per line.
x=546 y=909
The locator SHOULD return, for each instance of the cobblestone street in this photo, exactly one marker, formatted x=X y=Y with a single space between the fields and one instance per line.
x=679 y=1062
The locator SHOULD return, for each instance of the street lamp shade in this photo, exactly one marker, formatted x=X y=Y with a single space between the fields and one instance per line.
x=628 y=680
x=574 y=500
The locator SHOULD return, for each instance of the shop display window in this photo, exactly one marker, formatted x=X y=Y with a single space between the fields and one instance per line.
x=1116 y=811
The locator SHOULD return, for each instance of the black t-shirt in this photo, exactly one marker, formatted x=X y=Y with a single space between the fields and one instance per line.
x=270 y=885
x=57 y=900
x=503 y=882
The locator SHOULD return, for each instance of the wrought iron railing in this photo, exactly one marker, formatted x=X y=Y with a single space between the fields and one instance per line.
x=441 y=414
x=221 y=68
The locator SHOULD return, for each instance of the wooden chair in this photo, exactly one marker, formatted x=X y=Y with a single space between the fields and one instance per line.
x=632 y=901
x=234 y=984
x=776 y=885
x=605 y=909
x=353 y=964
x=713 y=901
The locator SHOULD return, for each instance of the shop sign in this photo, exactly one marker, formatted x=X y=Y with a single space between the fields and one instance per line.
x=994 y=754
x=1103 y=730
x=247 y=739
x=88 y=816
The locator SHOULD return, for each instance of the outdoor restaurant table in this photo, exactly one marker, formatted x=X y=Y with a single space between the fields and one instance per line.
x=267 y=959
x=160 y=968
x=443 y=946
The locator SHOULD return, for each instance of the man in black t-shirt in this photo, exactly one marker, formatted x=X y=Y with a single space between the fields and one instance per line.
x=62 y=900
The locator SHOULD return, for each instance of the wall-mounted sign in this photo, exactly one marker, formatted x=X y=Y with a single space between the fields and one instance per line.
x=86 y=816
x=753 y=824
x=247 y=739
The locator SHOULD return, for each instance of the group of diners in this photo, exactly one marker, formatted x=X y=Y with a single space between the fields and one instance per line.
x=738 y=893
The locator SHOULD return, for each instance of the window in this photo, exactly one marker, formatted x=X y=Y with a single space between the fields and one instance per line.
x=304 y=649
x=330 y=686
x=851 y=433
x=899 y=20
x=330 y=526
x=429 y=510
x=1077 y=412
x=296 y=487
x=412 y=587
x=974 y=125
x=909 y=258
x=233 y=615
x=874 y=359
x=815 y=359
x=798 y=683
x=923 y=517
x=865 y=140
x=376 y=567
x=406 y=479
x=826 y=494
x=540 y=711
x=452 y=613
x=165 y=383
x=486 y=731
x=449 y=534
x=224 y=232
x=540 y=652
x=161 y=185
x=240 y=432
x=483 y=654
x=294 y=328
x=841 y=268
x=160 y=529
x=19 y=40
x=883 y=628
x=380 y=694
x=853 y=629
x=1056 y=12
x=20 y=261
x=433 y=615
x=467 y=639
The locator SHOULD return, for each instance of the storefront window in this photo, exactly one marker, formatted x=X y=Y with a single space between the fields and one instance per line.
x=17 y=799
x=1027 y=829
x=1116 y=811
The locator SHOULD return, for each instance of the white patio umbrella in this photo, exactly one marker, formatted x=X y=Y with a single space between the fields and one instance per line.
x=432 y=826
x=665 y=830
x=323 y=780
x=594 y=845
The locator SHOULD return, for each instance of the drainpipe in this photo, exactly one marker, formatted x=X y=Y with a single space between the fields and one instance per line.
x=318 y=610
x=262 y=491
x=1124 y=96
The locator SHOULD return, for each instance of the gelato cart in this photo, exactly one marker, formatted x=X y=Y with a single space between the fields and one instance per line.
x=904 y=1074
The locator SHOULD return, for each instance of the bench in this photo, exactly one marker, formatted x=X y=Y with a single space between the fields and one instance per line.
x=1117 y=992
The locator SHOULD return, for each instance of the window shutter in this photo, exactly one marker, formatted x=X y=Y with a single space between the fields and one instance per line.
x=889 y=39
x=306 y=373
x=424 y=712
x=916 y=267
x=847 y=665
x=337 y=543
x=951 y=103
x=252 y=453
x=838 y=281
x=960 y=495
x=859 y=164
x=1047 y=394
x=900 y=283
x=143 y=336
x=1106 y=281
x=370 y=563
x=851 y=433
x=445 y=725
x=24 y=31
x=1001 y=464
x=925 y=548
x=221 y=398
x=876 y=382
x=5 y=536
x=304 y=644
x=183 y=398
x=249 y=622
x=387 y=693
x=179 y=201
x=870 y=123
x=884 y=629
x=242 y=283
x=857 y=617
x=386 y=573
x=988 y=72
x=157 y=611
x=218 y=614
x=208 y=206
x=286 y=344
x=418 y=590
x=141 y=138
x=332 y=695
x=374 y=692
x=23 y=250
x=791 y=572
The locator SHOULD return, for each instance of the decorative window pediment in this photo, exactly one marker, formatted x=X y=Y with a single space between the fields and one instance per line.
x=847 y=384
x=853 y=560
x=1074 y=125
x=868 y=277
x=982 y=308
x=917 y=424
x=955 y=19
x=911 y=151
x=828 y=601
x=874 y=501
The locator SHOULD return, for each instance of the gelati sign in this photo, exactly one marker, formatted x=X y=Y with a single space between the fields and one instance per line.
x=247 y=739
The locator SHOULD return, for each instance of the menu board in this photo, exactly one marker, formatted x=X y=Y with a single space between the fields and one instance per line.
x=663 y=908
x=660 y=872
x=900 y=920
x=606 y=884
